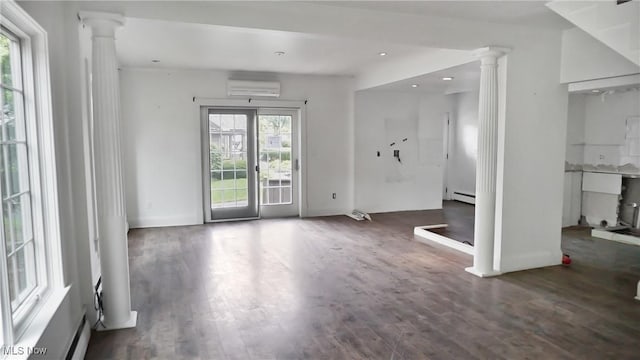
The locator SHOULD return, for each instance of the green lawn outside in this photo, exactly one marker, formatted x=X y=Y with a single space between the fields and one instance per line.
x=223 y=190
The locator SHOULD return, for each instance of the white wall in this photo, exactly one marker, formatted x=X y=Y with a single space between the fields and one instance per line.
x=463 y=146
x=163 y=151
x=574 y=158
x=605 y=127
x=382 y=183
x=575 y=129
x=57 y=21
x=585 y=58
x=531 y=156
x=572 y=198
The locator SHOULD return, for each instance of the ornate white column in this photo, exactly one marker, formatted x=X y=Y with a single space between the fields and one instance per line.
x=114 y=259
x=485 y=209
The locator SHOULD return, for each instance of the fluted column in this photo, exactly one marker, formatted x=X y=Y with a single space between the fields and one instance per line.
x=112 y=231
x=485 y=208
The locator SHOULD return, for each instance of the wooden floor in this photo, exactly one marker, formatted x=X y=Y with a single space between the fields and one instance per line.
x=460 y=218
x=334 y=288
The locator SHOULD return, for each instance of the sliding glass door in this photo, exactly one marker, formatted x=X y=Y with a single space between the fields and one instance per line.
x=230 y=167
x=279 y=164
x=250 y=163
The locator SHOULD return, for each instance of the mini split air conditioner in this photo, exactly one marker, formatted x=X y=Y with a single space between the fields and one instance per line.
x=253 y=88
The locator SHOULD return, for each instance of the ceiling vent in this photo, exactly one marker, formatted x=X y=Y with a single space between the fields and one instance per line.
x=253 y=88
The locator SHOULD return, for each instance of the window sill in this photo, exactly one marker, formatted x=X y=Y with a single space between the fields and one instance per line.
x=26 y=345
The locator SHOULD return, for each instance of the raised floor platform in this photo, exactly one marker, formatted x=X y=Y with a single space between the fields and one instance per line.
x=455 y=229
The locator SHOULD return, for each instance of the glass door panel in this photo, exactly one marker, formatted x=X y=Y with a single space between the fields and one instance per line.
x=277 y=144
x=231 y=180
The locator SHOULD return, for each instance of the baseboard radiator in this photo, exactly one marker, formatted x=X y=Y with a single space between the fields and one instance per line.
x=80 y=342
x=464 y=197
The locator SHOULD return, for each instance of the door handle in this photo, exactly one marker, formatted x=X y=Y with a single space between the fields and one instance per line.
x=257 y=168
x=297 y=166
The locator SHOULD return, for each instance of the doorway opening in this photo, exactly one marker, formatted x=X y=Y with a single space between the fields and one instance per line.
x=250 y=163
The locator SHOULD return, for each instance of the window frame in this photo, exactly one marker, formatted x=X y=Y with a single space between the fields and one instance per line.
x=19 y=62
x=41 y=164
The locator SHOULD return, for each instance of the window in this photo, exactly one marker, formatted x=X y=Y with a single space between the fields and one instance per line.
x=30 y=266
x=20 y=246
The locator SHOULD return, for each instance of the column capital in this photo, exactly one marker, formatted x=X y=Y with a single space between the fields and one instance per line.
x=102 y=24
x=490 y=54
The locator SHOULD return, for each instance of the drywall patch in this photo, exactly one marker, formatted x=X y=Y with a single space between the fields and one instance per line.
x=402 y=146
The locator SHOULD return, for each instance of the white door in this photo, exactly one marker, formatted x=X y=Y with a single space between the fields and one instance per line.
x=279 y=165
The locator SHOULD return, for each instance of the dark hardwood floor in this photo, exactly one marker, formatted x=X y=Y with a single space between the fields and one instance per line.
x=334 y=288
x=460 y=219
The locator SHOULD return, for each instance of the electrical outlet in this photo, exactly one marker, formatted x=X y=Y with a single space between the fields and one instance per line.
x=601 y=157
x=333 y=196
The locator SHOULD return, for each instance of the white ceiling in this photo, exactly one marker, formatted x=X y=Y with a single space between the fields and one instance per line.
x=466 y=78
x=199 y=46
x=514 y=12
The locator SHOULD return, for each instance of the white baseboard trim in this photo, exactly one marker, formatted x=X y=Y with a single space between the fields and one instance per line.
x=164 y=221
x=425 y=236
x=463 y=198
x=530 y=261
x=325 y=212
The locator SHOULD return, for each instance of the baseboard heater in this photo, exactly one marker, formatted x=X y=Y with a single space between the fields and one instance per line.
x=80 y=342
x=465 y=198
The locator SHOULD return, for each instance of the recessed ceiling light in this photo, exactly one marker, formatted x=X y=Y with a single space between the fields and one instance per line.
x=155 y=61
x=382 y=53
x=414 y=85
x=279 y=53
x=447 y=78
x=595 y=91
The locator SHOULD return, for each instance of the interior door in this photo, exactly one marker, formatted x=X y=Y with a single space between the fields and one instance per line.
x=229 y=164
x=279 y=175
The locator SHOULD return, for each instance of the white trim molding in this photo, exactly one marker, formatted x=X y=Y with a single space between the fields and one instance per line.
x=428 y=237
x=165 y=221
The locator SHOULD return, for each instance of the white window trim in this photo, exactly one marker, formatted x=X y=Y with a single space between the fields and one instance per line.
x=42 y=164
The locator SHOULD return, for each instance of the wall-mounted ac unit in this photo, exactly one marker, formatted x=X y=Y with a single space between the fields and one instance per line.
x=253 y=88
